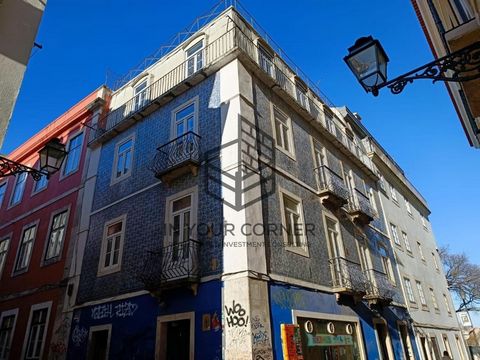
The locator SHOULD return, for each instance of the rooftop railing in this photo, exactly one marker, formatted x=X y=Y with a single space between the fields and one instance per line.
x=234 y=39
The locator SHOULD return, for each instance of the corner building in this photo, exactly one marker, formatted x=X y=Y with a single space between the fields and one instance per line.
x=228 y=204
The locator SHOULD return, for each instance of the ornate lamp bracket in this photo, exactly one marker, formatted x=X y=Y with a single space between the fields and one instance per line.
x=459 y=66
x=9 y=167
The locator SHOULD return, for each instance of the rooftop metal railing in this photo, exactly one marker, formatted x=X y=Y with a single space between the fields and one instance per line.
x=235 y=39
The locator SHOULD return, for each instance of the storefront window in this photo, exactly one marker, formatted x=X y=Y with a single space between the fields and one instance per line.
x=329 y=340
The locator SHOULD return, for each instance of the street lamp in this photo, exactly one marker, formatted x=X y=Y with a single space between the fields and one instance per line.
x=51 y=159
x=368 y=62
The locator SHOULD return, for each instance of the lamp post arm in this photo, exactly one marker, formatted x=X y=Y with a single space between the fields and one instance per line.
x=9 y=167
x=459 y=66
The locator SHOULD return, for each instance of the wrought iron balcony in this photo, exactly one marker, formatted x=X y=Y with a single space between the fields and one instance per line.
x=380 y=290
x=360 y=208
x=177 y=157
x=347 y=277
x=333 y=191
x=174 y=265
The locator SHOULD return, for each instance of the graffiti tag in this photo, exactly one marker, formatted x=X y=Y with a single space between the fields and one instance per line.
x=236 y=315
x=79 y=335
x=122 y=310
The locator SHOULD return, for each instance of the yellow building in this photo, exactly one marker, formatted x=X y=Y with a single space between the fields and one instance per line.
x=451 y=25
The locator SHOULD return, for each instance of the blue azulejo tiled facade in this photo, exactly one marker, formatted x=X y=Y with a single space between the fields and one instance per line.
x=291 y=304
x=133 y=324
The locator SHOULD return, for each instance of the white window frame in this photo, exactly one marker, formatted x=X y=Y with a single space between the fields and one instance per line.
x=100 y=328
x=424 y=222
x=435 y=262
x=447 y=304
x=303 y=248
x=4 y=186
x=12 y=195
x=40 y=306
x=49 y=233
x=421 y=293
x=173 y=122
x=142 y=93
x=71 y=137
x=105 y=270
x=193 y=192
x=395 y=237
x=393 y=193
x=408 y=206
x=420 y=251
x=115 y=179
x=201 y=51
x=410 y=294
x=8 y=239
x=2 y=316
x=16 y=271
x=406 y=241
x=288 y=125
x=434 y=299
x=266 y=56
x=387 y=264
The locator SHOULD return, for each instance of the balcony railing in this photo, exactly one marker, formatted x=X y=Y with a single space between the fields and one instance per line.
x=177 y=157
x=333 y=190
x=380 y=289
x=234 y=39
x=171 y=266
x=347 y=276
x=360 y=208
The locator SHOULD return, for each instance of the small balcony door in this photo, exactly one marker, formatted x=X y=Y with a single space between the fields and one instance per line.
x=140 y=92
x=194 y=58
x=181 y=225
x=320 y=161
x=184 y=122
x=335 y=248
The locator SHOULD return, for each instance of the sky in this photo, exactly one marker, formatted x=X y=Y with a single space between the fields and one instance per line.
x=83 y=40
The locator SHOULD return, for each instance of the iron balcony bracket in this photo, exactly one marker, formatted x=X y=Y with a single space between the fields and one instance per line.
x=9 y=167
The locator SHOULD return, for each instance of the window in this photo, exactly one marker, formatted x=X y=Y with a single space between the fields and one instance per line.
x=435 y=262
x=396 y=239
x=447 y=304
x=420 y=251
x=335 y=247
x=37 y=332
x=3 y=189
x=74 y=153
x=302 y=95
x=3 y=254
x=25 y=249
x=421 y=294
x=265 y=59
x=459 y=347
x=393 y=192
x=446 y=344
x=184 y=118
x=371 y=197
x=181 y=223
x=40 y=184
x=293 y=222
x=7 y=326
x=194 y=58
x=140 y=95
x=409 y=290
x=424 y=222
x=123 y=159
x=112 y=246
x=386 y=263
x=283 y=131
x=434 y=299
x=20 y=181
x=381 y=182
x=409 y=208
x=462 y=10
x=406 y=241
x=57 y=235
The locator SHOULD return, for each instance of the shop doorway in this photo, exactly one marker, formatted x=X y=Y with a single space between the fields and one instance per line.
x=175 y=337
x=383 y=340
x=435 y=348
x=99 y=342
